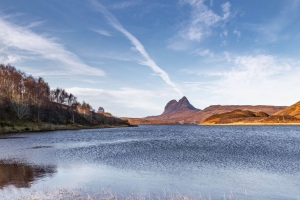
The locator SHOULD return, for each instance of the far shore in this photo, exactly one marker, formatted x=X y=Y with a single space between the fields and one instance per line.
x=253 y=124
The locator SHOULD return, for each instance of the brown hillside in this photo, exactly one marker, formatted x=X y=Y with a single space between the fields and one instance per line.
x=254 y=108
x=248 y=117
x=235 y=116
x=293 y=110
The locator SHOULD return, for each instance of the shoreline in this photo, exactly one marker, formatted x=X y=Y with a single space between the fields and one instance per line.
x=45 y=127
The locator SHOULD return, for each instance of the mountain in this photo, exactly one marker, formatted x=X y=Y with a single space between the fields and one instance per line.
x=184 y=112
x=293 y=110
x=176 y=112
x=174 y=107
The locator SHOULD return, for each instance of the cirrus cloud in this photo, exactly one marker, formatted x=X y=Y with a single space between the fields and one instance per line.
x=202 y=19
x=21 y=43
x=147 y=60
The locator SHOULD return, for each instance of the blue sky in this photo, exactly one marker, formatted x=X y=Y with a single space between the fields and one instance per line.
x=133 y=56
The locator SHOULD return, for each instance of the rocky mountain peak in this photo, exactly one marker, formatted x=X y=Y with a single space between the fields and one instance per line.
x=182 y=105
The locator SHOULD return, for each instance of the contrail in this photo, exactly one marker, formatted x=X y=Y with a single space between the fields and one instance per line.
x=138 y=46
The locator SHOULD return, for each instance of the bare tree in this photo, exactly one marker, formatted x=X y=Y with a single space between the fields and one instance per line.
x=21 y=108
x=63 y=96
x=43 y=93
x=100 y=110
x=56 y=93
x=72 y=103
x=19 y=104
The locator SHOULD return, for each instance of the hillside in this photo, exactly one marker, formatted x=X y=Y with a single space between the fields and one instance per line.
x=285 y=116
x=241 y=116
x=185 y=113
x=293 y=110
x=28 y=104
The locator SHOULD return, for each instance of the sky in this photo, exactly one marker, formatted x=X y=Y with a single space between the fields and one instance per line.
x=133 y=56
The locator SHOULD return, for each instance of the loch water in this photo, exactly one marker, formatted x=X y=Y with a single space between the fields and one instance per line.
x=217 y=162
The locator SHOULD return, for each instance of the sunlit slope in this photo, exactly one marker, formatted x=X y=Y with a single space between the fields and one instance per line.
x=293 y=110
x=242 y=116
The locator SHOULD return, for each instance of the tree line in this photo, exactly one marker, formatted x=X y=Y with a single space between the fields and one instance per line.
x=25 y=97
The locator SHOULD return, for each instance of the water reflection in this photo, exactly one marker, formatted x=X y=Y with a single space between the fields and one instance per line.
x=22 y=175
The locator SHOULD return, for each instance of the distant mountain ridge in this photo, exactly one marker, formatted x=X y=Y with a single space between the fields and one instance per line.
x=184 y=112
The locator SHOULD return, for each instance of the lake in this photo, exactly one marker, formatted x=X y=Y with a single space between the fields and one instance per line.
x=212 y=162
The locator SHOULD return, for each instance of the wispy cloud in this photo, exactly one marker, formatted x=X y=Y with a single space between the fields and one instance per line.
x=22 y=43
x=35 y=24
x=258 y=79
x=204 y=52
x=247 y=79
x=102 y=32
x=202 y=19
x=126 y=4
x=147 y=61
x=238 y=33
x=226 y=10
